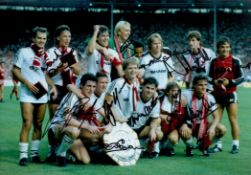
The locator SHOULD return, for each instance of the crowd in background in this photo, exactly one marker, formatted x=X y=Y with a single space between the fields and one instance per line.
x=172 y=27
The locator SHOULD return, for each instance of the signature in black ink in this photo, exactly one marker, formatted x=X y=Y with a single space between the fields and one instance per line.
x=198 y=114
x=119 y=146
x=134 y=118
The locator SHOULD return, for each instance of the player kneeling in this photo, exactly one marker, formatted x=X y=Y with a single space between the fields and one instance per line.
x=145 y=120
x=74 y=119
x=173 y=117
x=200 y=105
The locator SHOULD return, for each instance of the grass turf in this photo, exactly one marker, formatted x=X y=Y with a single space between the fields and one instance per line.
x=222 y=163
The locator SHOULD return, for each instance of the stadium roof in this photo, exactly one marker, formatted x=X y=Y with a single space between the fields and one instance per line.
x=128 y=3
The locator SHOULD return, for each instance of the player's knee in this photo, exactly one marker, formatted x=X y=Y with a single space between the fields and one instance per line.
x=173 y=139
x=86 y=160
x=72 y=132
x=27 y=124
x=159 y=134
x=233 y=120
x=39 y=121
x=185 y=133
x=220 y=130
x=83 y=158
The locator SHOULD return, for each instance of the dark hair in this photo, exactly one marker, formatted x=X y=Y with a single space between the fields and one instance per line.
x=37 y=29
x=171 y=85
x=60 y=29
x=138 y=44
x=199 y=77
x=150 y=80
x=194 y=34
x=222 y=40
x=87 y=77
x=102 y=29
x=101 y=75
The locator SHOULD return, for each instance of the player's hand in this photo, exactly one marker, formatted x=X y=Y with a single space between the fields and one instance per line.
x=96 y=28
x=32 y=88
x=165 y=118
x=153 y=135
x=109 y=99
x=108 y=56
x=225 y=81
x=185 y=131
x=108 y=128
x=93 y=129
x=218 y=82
x=62 y=66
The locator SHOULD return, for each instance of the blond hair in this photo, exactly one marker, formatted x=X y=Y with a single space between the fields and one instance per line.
x=151 y=38
x=132 y=60
x=120 y=25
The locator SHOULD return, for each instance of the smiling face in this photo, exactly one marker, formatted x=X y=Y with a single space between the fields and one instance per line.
x=40 y=39
x=88 y=89
x=64 y=39
x=131 y=71
x=224 y=50
x=124 y=32
x=173 y=93
x=148 y=91
x=103 y=39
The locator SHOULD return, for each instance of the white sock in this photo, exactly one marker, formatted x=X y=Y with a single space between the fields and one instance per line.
x=236 y=142
x=219 y=143
x=23 y=150
x=64 y=146
x=156 y=147
x=35 y=147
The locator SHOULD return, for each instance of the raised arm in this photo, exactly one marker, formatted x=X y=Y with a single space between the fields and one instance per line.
x=92 y=43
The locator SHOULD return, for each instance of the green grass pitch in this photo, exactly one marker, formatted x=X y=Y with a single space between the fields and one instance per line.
x=222 y=163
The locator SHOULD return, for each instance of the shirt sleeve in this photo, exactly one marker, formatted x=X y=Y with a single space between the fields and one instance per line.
x=211 y=103
x=238 y=73
x=155 y=113
x=19 y=59
x=112 y=87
